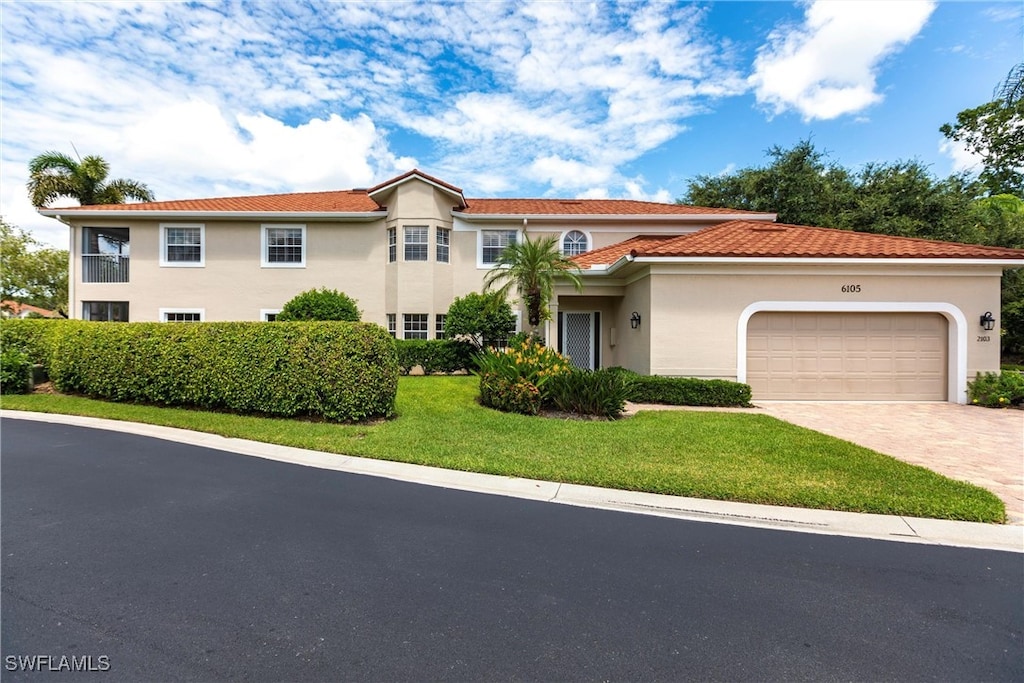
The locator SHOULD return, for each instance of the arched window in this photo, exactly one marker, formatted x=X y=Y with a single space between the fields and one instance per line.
x=574 y=243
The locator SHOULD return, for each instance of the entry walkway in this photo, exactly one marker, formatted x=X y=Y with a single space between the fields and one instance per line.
x=979 y=445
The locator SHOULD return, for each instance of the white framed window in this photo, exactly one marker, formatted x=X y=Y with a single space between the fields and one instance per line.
x=283 y=246
x=182 y=315
x=182 y=245
x=574 y=243
x=416 y=242
x=392 y=245
x=444 y=241
x=415 y=326
x=439 y=325
x=392 y=326
x=493 y=242
x=269 y=315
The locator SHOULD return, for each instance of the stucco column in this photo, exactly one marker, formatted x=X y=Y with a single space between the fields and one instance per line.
x=551 y=326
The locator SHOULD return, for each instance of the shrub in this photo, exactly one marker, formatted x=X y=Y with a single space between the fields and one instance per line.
x=15 y=370
x=320 y=304
x=485 y=319
x=601 y=392
x=434 y=355
x=516 y=368
x=340 y=371
x=686 y=391
x=997 y=390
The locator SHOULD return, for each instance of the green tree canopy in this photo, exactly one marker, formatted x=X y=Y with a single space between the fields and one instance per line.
x=29 y=273
x=483 y=318
x=53 y=175
x=532 y=267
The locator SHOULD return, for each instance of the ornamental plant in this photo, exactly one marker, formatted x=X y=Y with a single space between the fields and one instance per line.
x=997 y=390
x=514 y=379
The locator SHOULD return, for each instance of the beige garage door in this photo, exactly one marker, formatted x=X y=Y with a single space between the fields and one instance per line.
x=847 y=356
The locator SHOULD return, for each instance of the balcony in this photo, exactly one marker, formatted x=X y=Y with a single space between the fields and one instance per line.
x=104 y=268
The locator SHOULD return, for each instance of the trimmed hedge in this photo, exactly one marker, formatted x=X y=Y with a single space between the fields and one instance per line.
x=685 y=391
x=341 y=371
x=36 y=337
x=434 y=355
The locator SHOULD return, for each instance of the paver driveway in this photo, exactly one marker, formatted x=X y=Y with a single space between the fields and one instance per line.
x=979 y=445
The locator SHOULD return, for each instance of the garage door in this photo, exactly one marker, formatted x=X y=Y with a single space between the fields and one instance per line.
x=847 y=356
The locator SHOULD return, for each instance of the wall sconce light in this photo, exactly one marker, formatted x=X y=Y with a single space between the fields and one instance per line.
x=987 y=321
x=634 y=320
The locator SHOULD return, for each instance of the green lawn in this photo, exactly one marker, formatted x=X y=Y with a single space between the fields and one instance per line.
x=727 y=456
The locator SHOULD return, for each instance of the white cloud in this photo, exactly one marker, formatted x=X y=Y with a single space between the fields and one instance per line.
x=962 y=159
x=828 y=66
x=214 y=98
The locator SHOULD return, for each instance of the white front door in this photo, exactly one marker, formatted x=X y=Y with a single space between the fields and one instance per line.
x=578 y=339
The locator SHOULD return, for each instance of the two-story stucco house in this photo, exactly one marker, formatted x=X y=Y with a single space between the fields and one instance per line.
x=797 y=312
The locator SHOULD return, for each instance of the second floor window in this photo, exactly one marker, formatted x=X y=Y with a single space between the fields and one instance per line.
x=182 y=245
x=574 y=243
x=494 y=242
x=284 y=246
x=444 y=240
x=416 y=243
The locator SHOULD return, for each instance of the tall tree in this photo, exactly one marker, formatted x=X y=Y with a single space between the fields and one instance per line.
x=798 y=185
x=995 y=132
x=532 y=267
x=30 y=274
x=54 y=174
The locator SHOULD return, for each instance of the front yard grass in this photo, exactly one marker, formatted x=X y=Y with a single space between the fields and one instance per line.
x=745 y=457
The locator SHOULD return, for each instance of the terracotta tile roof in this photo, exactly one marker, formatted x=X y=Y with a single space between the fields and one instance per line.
x=587 y=207
x=754 y=239
x=17 y=309
x=613 y=252
x=342 y=201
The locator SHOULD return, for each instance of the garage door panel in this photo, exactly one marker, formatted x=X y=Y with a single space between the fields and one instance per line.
x=847 y=356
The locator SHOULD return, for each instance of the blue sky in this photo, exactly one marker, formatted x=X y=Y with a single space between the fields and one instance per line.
x=570 y=99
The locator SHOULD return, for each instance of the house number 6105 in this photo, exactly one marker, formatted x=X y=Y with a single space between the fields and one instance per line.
x=850 y=289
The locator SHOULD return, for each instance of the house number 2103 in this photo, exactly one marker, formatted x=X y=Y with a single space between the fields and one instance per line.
x=850 y=289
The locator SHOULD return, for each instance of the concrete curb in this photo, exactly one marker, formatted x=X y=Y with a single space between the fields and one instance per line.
x=828 y=522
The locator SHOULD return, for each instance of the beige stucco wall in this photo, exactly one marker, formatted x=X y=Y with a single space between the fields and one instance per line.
x=695 y=317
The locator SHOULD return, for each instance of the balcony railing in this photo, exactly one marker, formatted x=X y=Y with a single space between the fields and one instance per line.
x=104 y=268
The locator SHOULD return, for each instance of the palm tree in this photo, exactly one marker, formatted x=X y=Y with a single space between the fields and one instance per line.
x=532 y=267
x=53 y=175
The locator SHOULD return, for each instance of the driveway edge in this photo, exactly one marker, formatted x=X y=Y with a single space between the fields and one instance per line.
x=827 y=522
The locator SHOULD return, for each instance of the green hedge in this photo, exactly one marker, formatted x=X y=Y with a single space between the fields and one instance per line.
x=685 y=391
x=340 y=371
x=36 y=337
x=434 y=355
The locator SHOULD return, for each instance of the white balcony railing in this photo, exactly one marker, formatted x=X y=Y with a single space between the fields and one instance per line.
x=104 y=268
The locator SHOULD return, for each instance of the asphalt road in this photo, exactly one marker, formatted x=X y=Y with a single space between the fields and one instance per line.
x=161 y=561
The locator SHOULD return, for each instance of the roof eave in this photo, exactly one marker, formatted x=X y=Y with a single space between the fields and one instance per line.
x=618 y=217
x=350 y=216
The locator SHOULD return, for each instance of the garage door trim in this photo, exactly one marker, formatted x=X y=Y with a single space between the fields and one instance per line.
x=956 y=372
